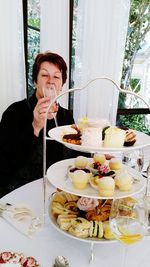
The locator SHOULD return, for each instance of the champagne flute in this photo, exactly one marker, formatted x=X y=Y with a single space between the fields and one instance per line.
x=128 y=221
x=50 y=91
x=134 y=159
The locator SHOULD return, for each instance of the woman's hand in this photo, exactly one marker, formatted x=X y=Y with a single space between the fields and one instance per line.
x=39 y=114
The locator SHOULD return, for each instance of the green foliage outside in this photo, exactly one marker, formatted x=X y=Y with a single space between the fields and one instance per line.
x=139 y=26
x=136 y=122
x=33 y=38
x=137 y=29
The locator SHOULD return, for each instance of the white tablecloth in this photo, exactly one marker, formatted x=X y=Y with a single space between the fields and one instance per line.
x=48 y=242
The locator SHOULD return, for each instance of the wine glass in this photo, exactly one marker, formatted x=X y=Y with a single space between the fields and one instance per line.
x=128 y=221
x=50 y=91
x=134 y=159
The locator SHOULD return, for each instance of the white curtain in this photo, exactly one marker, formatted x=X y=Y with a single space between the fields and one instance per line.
x=100 y=34
x=12 y=66
x=54 y=32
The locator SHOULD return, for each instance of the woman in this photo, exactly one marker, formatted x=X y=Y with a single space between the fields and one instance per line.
x=21 y=127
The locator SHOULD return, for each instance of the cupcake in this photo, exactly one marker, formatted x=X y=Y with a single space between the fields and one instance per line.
x=106 y=186
x=115 y=164
x=81 y=162
x=100 y=158
x=79 y=179
x=123 y=180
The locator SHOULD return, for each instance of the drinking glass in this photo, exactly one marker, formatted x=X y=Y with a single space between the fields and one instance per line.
x=128 y=221
x=50 y=91
x=134 y=159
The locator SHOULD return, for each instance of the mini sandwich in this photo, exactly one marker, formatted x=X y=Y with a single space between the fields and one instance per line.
x=96 y=229
x=64 y=221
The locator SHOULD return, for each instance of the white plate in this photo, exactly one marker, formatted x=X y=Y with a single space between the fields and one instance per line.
x=88 y=239
x=142 y=140
x=56 y=175
x=18 y=259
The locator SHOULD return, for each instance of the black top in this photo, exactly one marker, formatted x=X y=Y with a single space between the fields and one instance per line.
x=21 y=152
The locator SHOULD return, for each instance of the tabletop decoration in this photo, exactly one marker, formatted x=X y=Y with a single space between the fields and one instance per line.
x=8 y=258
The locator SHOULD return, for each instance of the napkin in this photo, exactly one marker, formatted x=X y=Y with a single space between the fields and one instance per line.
x=21 y=217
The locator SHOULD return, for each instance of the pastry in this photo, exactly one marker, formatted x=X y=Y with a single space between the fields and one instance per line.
x=86 y=204
x=83 y=123
x=80 y=179
x=94 y=123
x=106 y=186
x=99 y=214
x=115 y=164
x=71 y=172
x=130 y=138
x=94 y=180
x=114 y=137
x=92 y=137
x=100 y=158
x=72 y=138
x=81 y=162
x=123 y=180
x=71 y=205
x=73 y=135
x=108 y=234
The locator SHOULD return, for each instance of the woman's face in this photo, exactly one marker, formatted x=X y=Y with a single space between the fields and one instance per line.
x=49 y=76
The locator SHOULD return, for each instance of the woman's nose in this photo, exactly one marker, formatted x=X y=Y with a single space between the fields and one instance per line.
x=50 y=79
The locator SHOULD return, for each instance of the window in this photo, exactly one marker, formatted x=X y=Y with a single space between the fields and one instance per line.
x=131 y=113
x=32 y=37
x=136 y=69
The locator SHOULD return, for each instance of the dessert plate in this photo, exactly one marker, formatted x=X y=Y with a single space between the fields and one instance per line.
x=88 y=239
x=17 y=259
x=142 y=140
x=57 y=176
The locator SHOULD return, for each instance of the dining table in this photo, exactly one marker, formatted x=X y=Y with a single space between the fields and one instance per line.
x=47 y=242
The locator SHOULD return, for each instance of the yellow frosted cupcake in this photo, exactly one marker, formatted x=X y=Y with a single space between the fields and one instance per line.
x=123 y=180
x=115 y=164
x=106 y=186
x=80 y=179
x=81 y=162
x=99 y=158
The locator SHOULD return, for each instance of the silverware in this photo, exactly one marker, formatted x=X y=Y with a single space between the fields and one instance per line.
x=61 y=261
